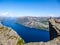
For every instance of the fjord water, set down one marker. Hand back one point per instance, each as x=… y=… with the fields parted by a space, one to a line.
x=28 y=34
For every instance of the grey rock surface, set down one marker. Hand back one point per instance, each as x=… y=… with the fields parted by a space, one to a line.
x=8 y=36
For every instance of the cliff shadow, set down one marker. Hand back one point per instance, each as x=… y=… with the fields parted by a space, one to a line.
x=53 y=32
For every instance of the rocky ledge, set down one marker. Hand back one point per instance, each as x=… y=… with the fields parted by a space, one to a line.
x=9 y=37
x=54 y=27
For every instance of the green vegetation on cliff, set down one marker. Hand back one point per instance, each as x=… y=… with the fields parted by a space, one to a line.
x=20 y=42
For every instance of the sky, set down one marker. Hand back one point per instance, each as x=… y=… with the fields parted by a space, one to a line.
x=42 y=8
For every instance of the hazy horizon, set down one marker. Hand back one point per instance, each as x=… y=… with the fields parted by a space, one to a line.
x=37 y=8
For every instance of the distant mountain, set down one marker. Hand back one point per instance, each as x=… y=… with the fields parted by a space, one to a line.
x=1 y=19
x=34 y=22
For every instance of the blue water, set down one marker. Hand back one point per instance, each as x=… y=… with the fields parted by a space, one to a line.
x=28 y=34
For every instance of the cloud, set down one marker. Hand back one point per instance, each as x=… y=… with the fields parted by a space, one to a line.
x=52 y=15
x=4 y=14
x=7 y=14
x=10 y=14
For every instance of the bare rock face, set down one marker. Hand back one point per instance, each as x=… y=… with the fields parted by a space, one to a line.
x=9 y=37
x=54 y=27
x=55 y=23
x=55 y=41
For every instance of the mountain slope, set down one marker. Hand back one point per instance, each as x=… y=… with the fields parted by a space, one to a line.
x=34 y=22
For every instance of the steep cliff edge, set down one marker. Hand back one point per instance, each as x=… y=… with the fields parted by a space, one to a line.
x=54 y=27
x=9 y=37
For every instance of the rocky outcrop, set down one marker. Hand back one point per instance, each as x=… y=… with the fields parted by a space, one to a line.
x=54 y=27
x=9 y=37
